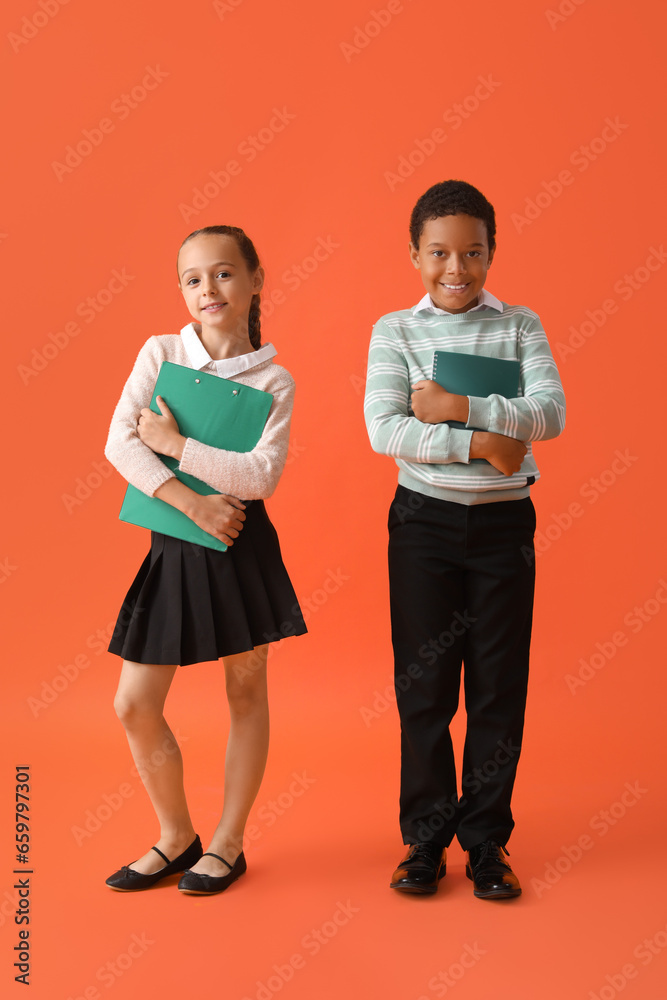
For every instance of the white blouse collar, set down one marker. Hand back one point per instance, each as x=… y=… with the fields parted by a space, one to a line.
x=226 y=367
x=486 y=301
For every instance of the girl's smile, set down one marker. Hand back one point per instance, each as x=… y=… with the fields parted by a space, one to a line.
x=218 y=288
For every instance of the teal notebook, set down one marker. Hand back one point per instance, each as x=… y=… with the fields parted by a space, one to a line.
x=475 y=375
x=216 y=411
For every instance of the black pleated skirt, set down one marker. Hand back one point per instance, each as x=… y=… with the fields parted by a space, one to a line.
x=190 y=604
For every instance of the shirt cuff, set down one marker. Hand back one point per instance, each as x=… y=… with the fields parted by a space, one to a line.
x=459 y=444
x=480 y=413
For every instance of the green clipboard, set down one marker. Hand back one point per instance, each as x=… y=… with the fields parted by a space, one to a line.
x=475 y=375
x=216 y=411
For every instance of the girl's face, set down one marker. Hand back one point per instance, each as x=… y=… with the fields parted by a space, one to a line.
x=216 y=283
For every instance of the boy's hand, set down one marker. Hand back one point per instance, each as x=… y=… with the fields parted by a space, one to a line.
x=504 y=453
x=432 y=404
x=160 y=431
x=220 y=515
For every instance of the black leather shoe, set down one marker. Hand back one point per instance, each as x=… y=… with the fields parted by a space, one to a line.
x=421 y=869
x=196 y=884
x=127 y=879
x=491 y=875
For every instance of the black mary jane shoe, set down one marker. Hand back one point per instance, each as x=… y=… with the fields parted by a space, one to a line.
x=490 y=873
x=126 y=879
x=199 y=884
x=421 y=869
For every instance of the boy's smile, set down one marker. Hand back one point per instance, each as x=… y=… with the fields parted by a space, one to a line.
x=453 y=257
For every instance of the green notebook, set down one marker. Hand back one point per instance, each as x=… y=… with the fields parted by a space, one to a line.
x=216 y=411
x=475 y=375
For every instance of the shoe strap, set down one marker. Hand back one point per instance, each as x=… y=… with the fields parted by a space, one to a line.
x=163 y=856
x=210 y=854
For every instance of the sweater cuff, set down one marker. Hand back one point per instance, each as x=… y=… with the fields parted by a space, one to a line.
x=188 y=455
x=156 y=480
x=480 y=413
x=459 y=444
x=192 y=458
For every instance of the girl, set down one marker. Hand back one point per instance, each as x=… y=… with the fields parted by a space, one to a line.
x=190 y=603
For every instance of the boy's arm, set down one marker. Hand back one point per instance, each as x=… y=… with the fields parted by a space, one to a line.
x=540 y=413
x=390 y=429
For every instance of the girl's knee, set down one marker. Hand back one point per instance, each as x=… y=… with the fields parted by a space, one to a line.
x=247 y=692
x=141 y=692
x=245 y=677
x=132 y=712
x=246 y=698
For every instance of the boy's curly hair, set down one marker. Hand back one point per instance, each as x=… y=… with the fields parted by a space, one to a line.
x=452 y=198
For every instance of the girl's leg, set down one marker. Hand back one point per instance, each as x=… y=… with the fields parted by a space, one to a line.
x=139 y=704
x=247 y=750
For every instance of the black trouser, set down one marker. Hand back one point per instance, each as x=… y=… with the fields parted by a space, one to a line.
x=461 y=589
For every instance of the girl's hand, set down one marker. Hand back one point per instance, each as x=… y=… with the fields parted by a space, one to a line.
x=432 y=404
x=160 y=431
x=220 y=515
x=504 y=453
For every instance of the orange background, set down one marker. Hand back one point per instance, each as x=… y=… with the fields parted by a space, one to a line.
x=219 y=74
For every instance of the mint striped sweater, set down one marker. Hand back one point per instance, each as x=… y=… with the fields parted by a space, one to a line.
x=434 y=458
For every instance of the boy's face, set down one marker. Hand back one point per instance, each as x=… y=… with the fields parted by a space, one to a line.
x=453 y=256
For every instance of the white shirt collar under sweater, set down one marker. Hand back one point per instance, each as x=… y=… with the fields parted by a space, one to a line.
x=226 y=367
x=486 y=301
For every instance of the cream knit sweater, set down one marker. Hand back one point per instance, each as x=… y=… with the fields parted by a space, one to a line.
x=249 y=475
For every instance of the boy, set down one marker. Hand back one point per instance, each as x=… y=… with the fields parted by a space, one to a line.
x=461 y=557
